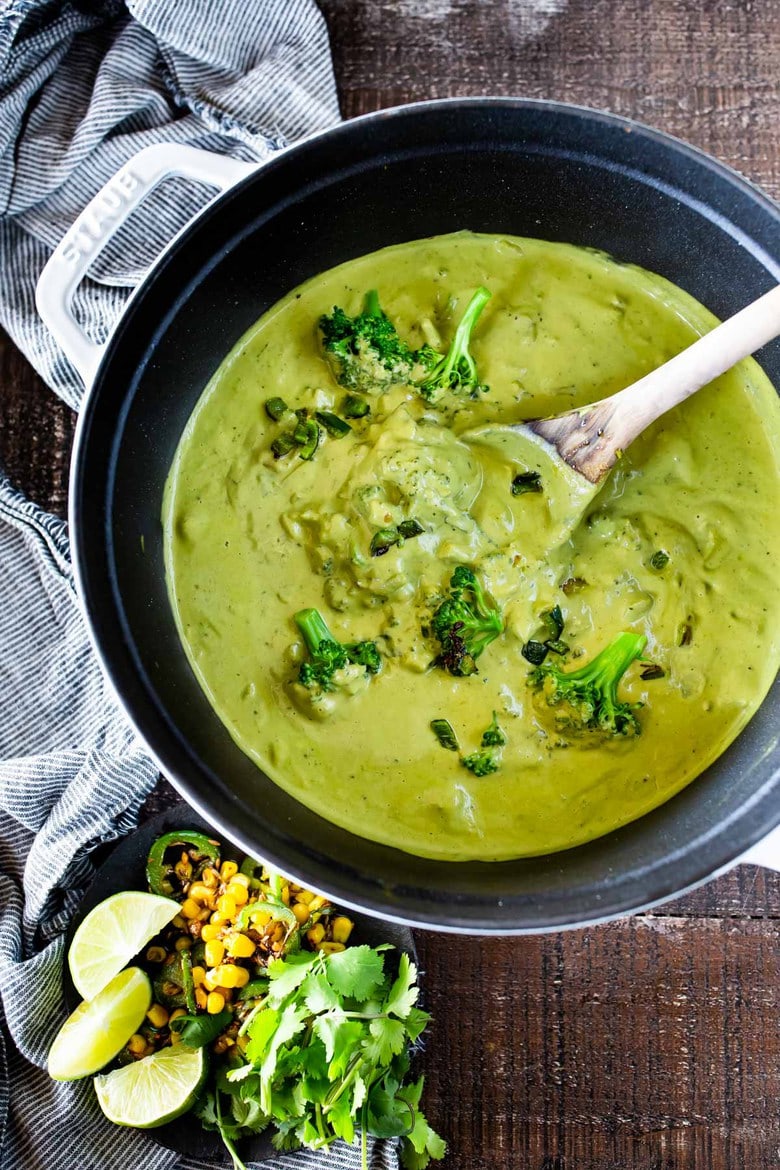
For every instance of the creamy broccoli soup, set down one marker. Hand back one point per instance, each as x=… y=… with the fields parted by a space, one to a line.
x=456 y=683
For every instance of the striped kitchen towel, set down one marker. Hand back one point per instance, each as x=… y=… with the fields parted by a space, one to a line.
x=84 y=85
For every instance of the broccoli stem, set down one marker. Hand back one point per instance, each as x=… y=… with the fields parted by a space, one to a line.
x=314 y=629
x=460 y=343
x=371 y=305
x=456 y=370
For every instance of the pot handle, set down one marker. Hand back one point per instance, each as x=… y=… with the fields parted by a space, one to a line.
x=98 y=222
x=765 y=852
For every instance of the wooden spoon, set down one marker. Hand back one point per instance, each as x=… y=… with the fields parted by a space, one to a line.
x=574 y=452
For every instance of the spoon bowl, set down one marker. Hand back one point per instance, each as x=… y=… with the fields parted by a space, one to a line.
x=573 y=453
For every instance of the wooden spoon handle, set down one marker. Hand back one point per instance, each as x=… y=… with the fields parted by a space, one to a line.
x=592 y=439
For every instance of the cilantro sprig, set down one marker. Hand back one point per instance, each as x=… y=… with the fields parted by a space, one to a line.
x=328 y=1057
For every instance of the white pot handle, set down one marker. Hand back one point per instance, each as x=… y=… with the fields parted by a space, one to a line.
x=765 y=852
x=98 y=222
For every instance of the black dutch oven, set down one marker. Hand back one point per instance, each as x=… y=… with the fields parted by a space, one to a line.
x=523 y=167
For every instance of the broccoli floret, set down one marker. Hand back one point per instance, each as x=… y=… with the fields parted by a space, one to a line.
x=590 y=693
x=481 y=763
x=456 y=369
x=465 y=623
x=327 y=656
x=365 y=351
x=488 y=758
x=493 y=736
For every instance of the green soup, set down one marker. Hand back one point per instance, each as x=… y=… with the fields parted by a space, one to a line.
x=251 y=539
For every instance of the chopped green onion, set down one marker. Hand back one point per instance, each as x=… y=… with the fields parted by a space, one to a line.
x=275 y=408
x=383 y=540
x=335 y=426
x=445 y=734
x=534 y=652
x=311 y=440
x=283 y=444
x=354 y=406
x=526 y=481
x=553 y=622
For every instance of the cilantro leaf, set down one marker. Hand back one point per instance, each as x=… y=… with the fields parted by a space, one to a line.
x=287 y=975
x=261 y=1030
x=198 y=1031
x=339 y=1116
x=387 y=1116
x=342 y=1038
x=403 y=994
x=285 y=1139
x=388 y=1038
x=291 y=1021
x=416 y=1023
x=317 y=993
x=356 y=972
x=361 y=1092
x=434 y=1147
x=422 y=1143
x=247 y=1113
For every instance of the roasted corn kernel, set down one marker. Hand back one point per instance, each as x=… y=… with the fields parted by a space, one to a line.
x=190 y=908
x=240 y=946
x=301 y=912
x=331 y=948
x=200 y=892
x=136 y=1044
x=341 y=929
x=239 y=893
x=227 y=906
x=214 y=952
x=201 y=997
x=225 y=975
x=216 y=1003
x=228 y=869
x=260 y=918
x=210 y=931
x=198 y=975
x=211 y=980
x=157 y=1015
x=316 y=934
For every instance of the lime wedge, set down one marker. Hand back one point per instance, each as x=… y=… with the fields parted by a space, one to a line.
x=99 y=1029
x=154 y=1090
x=112 y=934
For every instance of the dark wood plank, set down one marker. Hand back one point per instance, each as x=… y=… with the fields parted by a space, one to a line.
x=36 y=432
x=704 y=71
x=648 y=1044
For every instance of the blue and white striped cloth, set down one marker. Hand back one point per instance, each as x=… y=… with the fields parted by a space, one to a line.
x=84 y=84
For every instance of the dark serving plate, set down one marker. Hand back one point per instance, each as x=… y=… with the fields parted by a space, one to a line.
x=125 y=869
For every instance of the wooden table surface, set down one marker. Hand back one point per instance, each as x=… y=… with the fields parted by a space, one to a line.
x=650 y=1043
